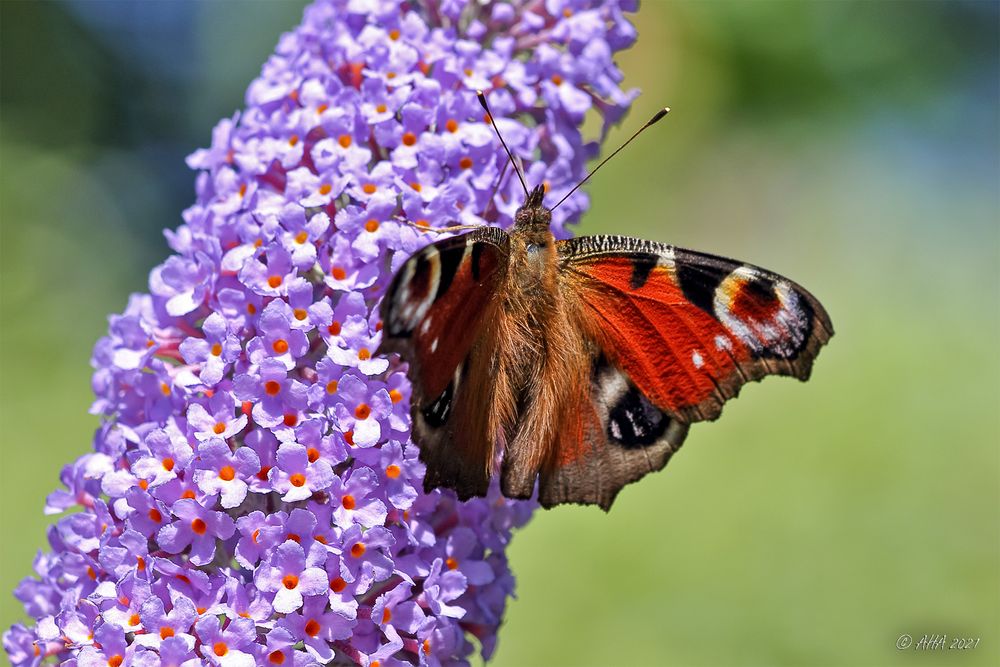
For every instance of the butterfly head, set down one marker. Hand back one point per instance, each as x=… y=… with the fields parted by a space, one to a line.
x=532 y=213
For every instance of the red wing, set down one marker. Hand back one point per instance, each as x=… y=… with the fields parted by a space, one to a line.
x=689 y=329
x=435 y=307
x=435 y=313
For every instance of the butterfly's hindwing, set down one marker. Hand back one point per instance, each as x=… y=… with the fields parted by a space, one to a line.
x=436 y=412
x=619 y=437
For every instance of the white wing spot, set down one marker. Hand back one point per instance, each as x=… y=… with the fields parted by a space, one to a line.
x=434 y=345
x=723 y=343
x=697 y=360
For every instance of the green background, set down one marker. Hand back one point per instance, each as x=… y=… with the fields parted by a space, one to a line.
x=851 y=146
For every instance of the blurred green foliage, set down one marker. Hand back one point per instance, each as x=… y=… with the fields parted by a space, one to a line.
x=852 y=146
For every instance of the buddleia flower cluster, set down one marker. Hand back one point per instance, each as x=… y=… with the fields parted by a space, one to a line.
x=253 y=496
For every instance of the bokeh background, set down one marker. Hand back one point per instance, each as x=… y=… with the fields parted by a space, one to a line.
x=852 y=146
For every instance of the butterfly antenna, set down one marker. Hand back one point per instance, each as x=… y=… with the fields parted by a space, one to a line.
x=492 y=203
x=489 y=114
x=657 y=117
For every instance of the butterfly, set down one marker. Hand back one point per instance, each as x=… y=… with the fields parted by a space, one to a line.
x=584 y=361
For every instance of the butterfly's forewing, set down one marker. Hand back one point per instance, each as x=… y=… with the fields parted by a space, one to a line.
x=435 y=314
x=688 y=328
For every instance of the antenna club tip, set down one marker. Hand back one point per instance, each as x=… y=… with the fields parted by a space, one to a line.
x=659 y=115
x=481 y=96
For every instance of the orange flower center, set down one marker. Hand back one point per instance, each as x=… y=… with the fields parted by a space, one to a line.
x=227 y=474
x=409 y=138
x=344 y=140
x=272 y=387
x=219 y=428
x=338 y=273
x=348 y=502
x=290 y=581
x=358 y=550
x=362 y=411
x=220 y=649
x=451 y=125
x=337 y=585
x=280 y=346
x=392 y=471
x=199 y=526
x=298 y=479
x=274 y=282
x=371 y=225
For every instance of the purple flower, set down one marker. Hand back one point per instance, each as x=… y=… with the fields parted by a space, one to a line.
x=319 y=627
x=271 y=392
x=196 y=527
x=296 y=476
x=220 y=423
x=354 y=504
x=166 y=453
x=215 y=352
x=229 y=647
x=220 y=470
x=278 y=340
x=253 y=495
x=289 y=575
x=161 y=625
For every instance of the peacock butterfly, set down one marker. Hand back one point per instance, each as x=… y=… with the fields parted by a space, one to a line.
x=584 y=361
